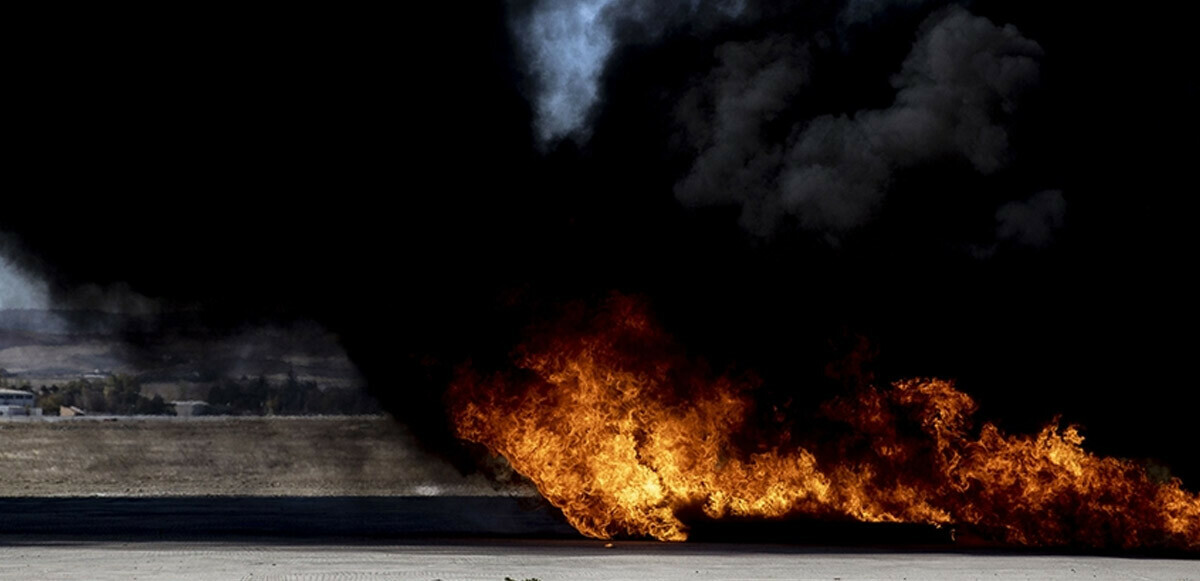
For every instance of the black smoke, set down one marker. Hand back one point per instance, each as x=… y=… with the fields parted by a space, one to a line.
x=990 y=191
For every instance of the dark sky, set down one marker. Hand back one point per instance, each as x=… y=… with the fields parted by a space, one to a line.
x=996 y=192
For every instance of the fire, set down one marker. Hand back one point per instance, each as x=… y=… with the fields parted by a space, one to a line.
x=619 y=429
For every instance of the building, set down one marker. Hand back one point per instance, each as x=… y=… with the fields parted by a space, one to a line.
x=186 y=409
x=97 y=375
x=14 y=402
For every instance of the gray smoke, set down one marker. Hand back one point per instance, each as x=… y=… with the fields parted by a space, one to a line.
x=22 y=286
x=955 y=93
x=19 y=290
x=566 y=43
x=860 y=11
x=963 y=75
x=1031 y=222
x=114 y=298
x=727 y=117
x=52 y=330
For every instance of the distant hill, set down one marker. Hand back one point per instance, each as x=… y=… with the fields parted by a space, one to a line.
x=33 y=321
x=53 y=346
x=74 y=322
x=101 y=323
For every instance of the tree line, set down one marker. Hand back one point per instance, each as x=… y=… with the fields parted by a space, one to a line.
x=116 y=394
x=259 y=396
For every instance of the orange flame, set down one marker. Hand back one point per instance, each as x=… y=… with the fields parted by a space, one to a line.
x=616 y=427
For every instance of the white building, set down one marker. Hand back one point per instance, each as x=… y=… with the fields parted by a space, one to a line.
x=14 y=402
x=187 y=409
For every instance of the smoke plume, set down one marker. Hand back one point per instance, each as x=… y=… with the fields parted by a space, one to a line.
x=18 y=290
x=566 y=44
x=831 y=172
x=750 y=131
x=1031 y=222
x=25 y=284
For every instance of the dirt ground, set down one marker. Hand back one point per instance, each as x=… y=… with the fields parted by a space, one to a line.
x=294 y=456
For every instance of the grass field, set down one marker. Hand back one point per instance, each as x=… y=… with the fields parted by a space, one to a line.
x=271 y=456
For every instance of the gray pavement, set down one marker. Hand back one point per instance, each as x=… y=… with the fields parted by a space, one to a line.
x=547 y=561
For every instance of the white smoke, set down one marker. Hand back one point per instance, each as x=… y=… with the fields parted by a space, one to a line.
x=21 y=290
x=566 y=43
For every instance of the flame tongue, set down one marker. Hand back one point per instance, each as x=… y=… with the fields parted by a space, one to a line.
x=623 y=433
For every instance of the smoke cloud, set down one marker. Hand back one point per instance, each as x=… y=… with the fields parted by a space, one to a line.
x=1031 y=222
x=737 y=162
x=963 y=75
x=19 y=290
x=24 y=287
x=567 y=42
x=751 y=136
x=860 y=11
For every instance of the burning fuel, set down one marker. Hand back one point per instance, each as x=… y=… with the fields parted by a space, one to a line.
x=617 y=427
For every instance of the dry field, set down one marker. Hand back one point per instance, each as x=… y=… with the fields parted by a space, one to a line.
x=296 y=456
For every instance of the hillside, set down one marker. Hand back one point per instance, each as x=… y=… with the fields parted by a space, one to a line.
x=166 y=352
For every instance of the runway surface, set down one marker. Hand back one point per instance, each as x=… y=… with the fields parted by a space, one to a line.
x=202 y=518
x=544 y=560
x=468 y=538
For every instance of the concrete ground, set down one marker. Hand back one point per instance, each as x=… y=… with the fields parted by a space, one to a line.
x=354 y=498
x=546 y=561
